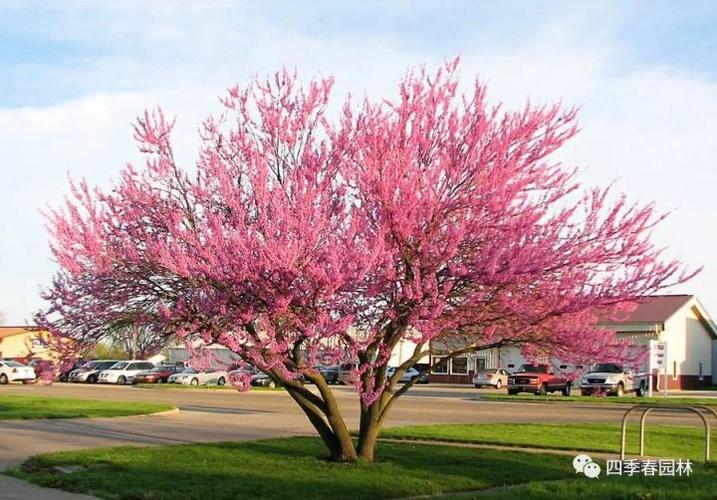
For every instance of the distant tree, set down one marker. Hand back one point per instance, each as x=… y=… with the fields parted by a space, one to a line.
x=300 y=240
x=106 y=350
x=137 y=341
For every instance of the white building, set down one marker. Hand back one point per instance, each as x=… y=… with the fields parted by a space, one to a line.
x=679 y=320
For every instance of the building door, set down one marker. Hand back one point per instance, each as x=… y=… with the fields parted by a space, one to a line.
x=480 y=364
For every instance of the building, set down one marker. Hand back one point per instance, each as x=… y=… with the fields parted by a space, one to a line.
x=680 y=321
x=21 y=341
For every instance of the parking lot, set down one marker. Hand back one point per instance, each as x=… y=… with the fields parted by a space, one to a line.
x=206 y=416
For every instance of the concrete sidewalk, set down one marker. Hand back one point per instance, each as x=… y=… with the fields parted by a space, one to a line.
x=16 y=489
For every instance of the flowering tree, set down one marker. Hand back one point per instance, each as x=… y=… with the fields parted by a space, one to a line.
x=300 y=240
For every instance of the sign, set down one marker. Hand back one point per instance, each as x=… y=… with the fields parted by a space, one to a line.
x=658 y=351
x=658 y=360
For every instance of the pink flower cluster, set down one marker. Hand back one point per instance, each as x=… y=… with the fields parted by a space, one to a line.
x=301 y=240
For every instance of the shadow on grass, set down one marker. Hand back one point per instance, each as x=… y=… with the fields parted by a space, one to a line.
x=286 y=468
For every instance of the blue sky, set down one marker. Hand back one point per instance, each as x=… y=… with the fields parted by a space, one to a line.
x=74 y=74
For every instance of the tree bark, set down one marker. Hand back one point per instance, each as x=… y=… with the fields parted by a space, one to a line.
x=324 y=415
x=368 y=432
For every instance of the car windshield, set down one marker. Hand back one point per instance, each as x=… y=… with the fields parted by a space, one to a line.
x=104 y=366
x=189 y=370
x=534 y=369
x=89 y=365
x=119 y=366
x=14 y=364
x=606 y=368
x=490 y=370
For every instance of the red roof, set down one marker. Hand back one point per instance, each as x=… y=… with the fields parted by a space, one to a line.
x=654 y=309
x=9 y=331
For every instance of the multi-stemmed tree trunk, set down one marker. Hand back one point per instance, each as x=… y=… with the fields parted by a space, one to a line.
x=300 y=240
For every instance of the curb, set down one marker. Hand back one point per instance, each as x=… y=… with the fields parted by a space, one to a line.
x=581 y=404
x=174 y=411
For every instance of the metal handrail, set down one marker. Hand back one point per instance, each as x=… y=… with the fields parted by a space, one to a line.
x=648 y=409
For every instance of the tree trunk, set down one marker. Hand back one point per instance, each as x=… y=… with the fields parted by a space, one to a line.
x=324 y=415
x=369 y=429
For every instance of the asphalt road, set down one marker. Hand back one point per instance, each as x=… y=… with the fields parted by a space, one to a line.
x=206 y=416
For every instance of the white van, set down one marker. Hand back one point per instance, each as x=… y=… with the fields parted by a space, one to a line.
x=123 y=372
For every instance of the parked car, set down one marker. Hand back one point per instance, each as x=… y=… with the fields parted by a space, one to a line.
x=261 y=379
x=157 y=375
x=408 y=375
x=330 y=373
x=190 y=376
x=12 y=371
x=538 y=379
x=496 y=377
x=612 y=379
x=90 y=371
x=123 y=372
x=64 y=376
x=346 y=374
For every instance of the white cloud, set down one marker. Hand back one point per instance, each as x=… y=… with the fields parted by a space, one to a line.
x=651 y=127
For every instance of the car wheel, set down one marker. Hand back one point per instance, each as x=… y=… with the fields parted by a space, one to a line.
x=194 y=382
x=585 y=393
x=92 y=379
x=498 y=384
x=271 y=384
x=222 y=381
x=640 y=391
x=542 y=391
x=478 y=386
x=512 y=392
x=567 y=389
x=620 y=391
x=122 y=380
x=161 y=381
x=3 y=379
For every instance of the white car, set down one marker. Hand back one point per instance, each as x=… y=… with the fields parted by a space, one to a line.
x=496 y=377
x=12 y=371
x=123 y=372
x=408 y=375
x=190 y=376
x=612 y=379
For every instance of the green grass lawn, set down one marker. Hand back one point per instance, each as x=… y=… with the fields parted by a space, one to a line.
x=700 y=485
x=285 y=468
x=662 y=441
x=30 y=407
x=298 y=468
x=601 y=399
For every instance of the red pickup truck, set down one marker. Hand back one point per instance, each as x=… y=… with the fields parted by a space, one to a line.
x=538 y=379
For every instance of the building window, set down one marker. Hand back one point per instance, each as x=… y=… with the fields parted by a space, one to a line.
x=674 y=370
x=442 y=368
x=480 y=364
x=702 y=376
x=459 y=366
